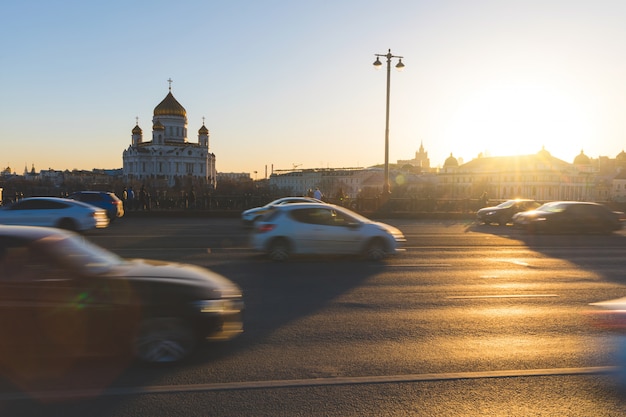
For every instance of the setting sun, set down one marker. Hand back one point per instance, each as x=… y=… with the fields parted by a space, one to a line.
x=516 y=118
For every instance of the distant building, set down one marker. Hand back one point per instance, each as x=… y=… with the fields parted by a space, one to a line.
x=421 y=160
x=168 y=156
x=331 y=182
x=234 y=176
x=539 y=176
x=7 y=172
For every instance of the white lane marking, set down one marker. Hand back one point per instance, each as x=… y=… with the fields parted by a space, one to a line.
x=312 y=382
x=520 y=263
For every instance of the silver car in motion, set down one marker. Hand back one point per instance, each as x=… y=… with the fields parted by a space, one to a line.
x=320 y=228
x=54 y=212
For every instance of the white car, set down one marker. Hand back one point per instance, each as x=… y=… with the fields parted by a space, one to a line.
x=248 y=217
x=54 y=212
x=319 y=228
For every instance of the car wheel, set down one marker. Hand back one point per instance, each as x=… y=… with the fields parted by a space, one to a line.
x=375 y=250
x=67 y=224
x=503 y=221
x=279 y=250
x=163 y=340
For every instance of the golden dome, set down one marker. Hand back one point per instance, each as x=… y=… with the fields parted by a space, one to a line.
x=582 y=159
x=170 y=107
x=203 y=130
x=137 y=130
x=451 y=162
x=158 y=125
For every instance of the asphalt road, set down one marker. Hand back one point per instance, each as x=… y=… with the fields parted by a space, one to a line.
x=471 y=320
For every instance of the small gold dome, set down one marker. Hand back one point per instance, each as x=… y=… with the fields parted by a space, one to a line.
x=451 y=162
x=582 y=159
x=203 y=130
x=158 y=125
x=170 y=107
x=137 y=130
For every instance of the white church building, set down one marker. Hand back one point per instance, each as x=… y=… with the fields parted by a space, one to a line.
x=168 y=155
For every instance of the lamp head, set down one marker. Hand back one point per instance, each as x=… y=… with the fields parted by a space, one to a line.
x=377 y=64
x=400 y=65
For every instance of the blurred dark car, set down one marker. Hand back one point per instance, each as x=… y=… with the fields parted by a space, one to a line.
x=103 y=199
x=570 y=217
x=61 y=295
x=503 y=212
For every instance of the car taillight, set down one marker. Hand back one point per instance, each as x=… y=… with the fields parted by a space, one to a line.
x=265 y=228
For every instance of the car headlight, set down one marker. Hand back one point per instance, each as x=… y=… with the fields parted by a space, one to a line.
x=222 y=306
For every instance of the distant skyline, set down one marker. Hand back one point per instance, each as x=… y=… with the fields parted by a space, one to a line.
x=287 y=83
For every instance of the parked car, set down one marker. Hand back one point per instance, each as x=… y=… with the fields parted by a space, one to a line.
x=62 y=295
x=103 y=199
x=54 y=212
x=320 y=228
x=248 y=217
x=503 y=212
x=570 y=216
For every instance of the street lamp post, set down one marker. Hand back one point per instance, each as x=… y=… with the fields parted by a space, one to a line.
x=399 y=67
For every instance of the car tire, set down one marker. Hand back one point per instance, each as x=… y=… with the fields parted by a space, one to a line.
x=502 y=221
x=67 y=224
x=163 y=340
x=279 y=250
x=375 y=250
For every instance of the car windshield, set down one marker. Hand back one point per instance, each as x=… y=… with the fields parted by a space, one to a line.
x=552 y=207
x=79 y=253
x=282 y=201
x=357 y=217
x=506 y=204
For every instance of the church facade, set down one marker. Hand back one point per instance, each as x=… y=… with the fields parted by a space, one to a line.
x=168 y=157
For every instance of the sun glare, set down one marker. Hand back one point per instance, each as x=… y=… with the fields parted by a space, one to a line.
x=515 y=119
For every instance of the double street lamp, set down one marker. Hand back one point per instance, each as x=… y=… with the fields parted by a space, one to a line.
x=399 y=67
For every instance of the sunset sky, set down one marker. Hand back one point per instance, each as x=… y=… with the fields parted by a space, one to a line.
x=291 y=83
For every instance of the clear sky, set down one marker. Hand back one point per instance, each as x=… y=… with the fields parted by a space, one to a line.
x=288 y=82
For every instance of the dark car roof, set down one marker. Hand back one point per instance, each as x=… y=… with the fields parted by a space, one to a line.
x=563 y=205
x=92 y=192
x=573 y=203
x=31 y=232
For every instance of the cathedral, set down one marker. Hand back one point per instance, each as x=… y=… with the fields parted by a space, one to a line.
x=168 y=157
